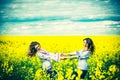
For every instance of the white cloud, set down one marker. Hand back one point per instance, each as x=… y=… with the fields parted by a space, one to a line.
x=54 y=8
x=36 y=16
x=15 y=29
x=25 y=27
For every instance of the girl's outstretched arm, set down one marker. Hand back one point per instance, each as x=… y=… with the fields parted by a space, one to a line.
x=68 y=55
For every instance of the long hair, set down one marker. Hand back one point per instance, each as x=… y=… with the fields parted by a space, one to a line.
x=90 y=44
x=32 y=51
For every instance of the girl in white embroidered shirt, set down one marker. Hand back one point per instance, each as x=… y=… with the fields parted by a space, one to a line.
x=45 y=56
x=82 y=56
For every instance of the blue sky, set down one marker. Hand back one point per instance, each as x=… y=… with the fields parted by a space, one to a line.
x=60 y=17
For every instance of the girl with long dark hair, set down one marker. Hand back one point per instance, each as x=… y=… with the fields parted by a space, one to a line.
x=82 y=56
x=35 y=49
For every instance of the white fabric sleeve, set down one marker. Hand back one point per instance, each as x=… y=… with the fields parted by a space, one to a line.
x=76 y=53
x=55 y=57
x=85 y=54
x=43 y=56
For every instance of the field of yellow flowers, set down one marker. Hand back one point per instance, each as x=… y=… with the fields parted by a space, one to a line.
x=104 y=64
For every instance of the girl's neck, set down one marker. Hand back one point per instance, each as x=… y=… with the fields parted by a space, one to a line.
x=86 y=49
x=42 y=51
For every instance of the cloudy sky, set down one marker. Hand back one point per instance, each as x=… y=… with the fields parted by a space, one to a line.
x=59 y=17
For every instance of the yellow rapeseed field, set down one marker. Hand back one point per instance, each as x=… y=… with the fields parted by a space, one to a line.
x=104 y=64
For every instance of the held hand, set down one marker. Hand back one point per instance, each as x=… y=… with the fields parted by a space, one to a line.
x=63 y=55
x=62 y=58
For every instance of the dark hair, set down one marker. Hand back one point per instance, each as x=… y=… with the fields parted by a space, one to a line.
x=32 y=51
x=90 y=44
